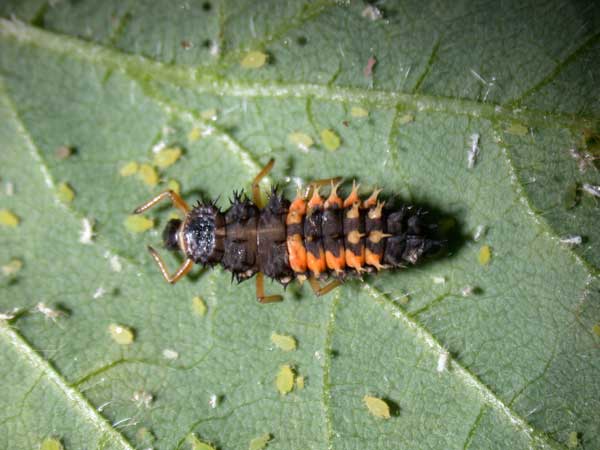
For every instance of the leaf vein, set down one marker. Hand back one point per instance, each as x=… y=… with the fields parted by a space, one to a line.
x=467 y=377
x=24 y=350
x=210 y=82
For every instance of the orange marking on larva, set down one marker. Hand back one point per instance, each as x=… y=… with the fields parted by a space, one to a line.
x=353 y=197
x=353 y=213
x=296 y=253
x=354 y=236
x=355 y=261
x=315 y=200
x=376 y=236
x=316 y=265
x=297 y=211
x=373 y=259
x=375 y=213
x=336 y=263
x=372 y=200
x=334 y=199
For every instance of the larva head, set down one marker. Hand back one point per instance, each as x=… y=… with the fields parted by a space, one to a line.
x=171 y=234
x=203 y=234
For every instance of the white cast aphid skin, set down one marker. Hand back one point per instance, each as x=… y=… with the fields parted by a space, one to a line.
x=473 y=151
x=571 y=240
x=591 y=189
x=442 y=364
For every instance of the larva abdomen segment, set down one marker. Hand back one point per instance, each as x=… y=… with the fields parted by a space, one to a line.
x=332 y=239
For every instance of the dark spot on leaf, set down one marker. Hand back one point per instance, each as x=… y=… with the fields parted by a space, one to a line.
x=302 y=41
x=206 y=6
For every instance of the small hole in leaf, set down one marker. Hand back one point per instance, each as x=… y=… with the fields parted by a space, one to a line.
x=207 y=43
x=206 y=6
x=302 y=41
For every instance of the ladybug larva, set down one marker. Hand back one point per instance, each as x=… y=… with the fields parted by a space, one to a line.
x=310 y=238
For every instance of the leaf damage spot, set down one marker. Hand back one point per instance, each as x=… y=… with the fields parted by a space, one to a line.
x=199 y=306
x=260 y=442
x=330 y=139
x=485 y=255
x=254 y=60
x=131 y=168
x=148 y=174
x=301 y=140
x=283 y=342
x=51 y=443
x=138 y=224
x=377 y=407
x=285 y=379
x=167 y=157
x=121 y=334
x=213 y=401
x=358 y=112
x=8 y=218
x=12 y=267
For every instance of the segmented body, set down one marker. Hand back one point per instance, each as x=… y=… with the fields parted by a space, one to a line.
x=308 y=237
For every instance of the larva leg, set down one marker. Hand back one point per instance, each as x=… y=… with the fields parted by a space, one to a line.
x=255 y=183
x=178 y=202
x=260 y=291
x=318 y=290
x=181 y=272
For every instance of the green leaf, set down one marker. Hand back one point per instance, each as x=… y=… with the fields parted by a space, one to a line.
x=466 y=355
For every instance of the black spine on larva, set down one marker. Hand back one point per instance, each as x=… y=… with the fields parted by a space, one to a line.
x=241 y=221
x=272 y=247
x=313 y=235
x=333 y=231
x=412 y=236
